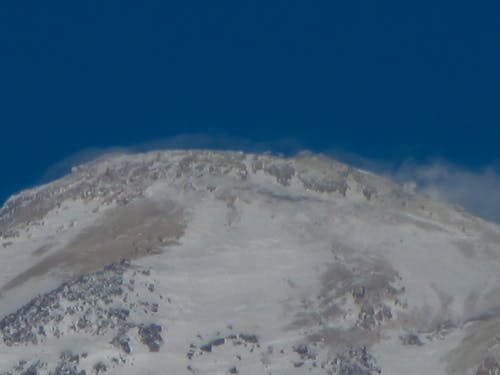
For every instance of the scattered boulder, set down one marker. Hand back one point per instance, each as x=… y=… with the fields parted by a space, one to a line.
x=411 y=339
x=301 y=350
x=122 y=342
x=249 y=338
x=151 y=336
x=99 y=368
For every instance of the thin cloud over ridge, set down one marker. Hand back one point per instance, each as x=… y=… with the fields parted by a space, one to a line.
x=478 y=191
x=288 y=146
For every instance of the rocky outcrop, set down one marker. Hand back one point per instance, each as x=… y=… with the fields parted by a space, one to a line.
x=100 y=304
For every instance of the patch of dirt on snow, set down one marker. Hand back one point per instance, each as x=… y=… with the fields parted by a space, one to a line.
x=132 y=231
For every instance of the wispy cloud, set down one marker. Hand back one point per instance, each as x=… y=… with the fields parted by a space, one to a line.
x=287 y=146
x=64 y=166
x=476 y=190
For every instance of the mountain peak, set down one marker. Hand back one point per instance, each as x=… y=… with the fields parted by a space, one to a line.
x=242 y=263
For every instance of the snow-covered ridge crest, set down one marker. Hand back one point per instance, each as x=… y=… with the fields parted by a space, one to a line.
x=270 y=264
x=124 y=177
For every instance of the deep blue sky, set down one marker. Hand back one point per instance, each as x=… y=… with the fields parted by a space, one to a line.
x=388 y=80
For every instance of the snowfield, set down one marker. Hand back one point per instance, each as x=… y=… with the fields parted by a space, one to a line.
x=204 y=262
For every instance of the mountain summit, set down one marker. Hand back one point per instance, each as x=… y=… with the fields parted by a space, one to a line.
x=205 y=262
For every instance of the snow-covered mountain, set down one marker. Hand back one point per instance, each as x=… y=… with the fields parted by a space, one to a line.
x=203 y=262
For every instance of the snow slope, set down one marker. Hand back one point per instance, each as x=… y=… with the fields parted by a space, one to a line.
x=210 y=262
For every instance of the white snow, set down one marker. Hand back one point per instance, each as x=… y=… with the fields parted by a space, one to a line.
x=252 y=250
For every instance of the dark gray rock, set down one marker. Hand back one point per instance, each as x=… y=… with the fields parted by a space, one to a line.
x=32 y=370
x=249 y=338
x=151 y=336
x=206 y=348
x=122 y=342
x=410 y=339
x=301 y=349
x=356 y=362
x=100 y=368
x=218 y=341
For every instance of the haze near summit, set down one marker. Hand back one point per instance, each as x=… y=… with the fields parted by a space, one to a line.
x=412 y=89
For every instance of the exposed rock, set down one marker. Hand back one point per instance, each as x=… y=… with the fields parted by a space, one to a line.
x=411 y=339
x=122 y=342
x=356 y=362
x=151 y=336
x=100 y=368
x=249 y=338
x=91 y=305
x=489 y=367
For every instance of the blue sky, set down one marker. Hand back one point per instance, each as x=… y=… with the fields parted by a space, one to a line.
x=392 y=83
